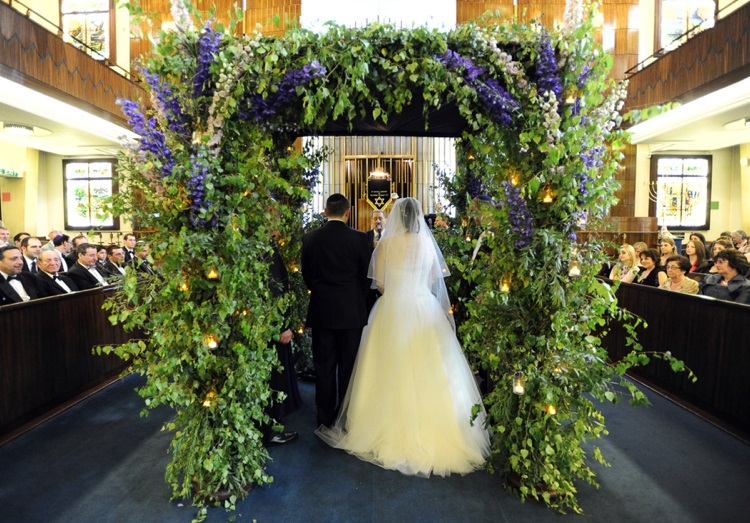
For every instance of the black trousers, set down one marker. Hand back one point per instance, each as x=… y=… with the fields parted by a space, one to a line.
x=334 y=352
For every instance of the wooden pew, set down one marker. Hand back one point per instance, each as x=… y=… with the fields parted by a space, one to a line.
x=46 y=358
x=710 y=336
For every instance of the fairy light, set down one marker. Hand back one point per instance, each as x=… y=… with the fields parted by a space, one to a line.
x=505 y=287
x=212 y=274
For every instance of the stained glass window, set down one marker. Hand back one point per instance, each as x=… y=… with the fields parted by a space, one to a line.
x=86 y=25
x=88 y=184
x=681 y=190
x=679 y=16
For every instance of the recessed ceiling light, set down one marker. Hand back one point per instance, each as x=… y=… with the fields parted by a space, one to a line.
x=18 y=129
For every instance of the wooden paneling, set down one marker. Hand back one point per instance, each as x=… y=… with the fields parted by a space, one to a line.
x=37 y=58
x=46 y=354
x=262 y=12
x=707 y=335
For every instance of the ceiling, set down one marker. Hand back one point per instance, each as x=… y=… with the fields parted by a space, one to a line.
x=59 y=128
x=714 y=121
x=700 y=125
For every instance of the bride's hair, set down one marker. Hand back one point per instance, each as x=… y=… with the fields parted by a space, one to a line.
x=410 y=212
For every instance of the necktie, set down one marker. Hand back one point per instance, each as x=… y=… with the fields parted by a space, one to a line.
x=34 y=269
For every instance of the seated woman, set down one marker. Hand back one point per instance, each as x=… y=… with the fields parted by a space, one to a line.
x=718 y=246
x=677 y=268
x=728 y=283
x=698 y=236
x=696 y=253
x=652 y=273
x=627 y=268
x=668 y=248
x=639 y=247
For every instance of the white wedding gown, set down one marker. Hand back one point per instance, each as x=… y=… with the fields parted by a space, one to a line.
x=410 y=398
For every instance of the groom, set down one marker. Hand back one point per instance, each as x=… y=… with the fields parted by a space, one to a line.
x=335 y=259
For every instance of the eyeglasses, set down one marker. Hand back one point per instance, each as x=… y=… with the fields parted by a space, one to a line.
x=673 y=267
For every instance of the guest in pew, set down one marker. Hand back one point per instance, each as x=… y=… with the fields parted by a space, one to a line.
x=627 y=268
x=31 y=247
x=62 y=248
x=652 y=273
x=48 y=281
x=696 y=253
x=18 y=238
x=16 y=286
x=729 y=283
x=639 y=247
x=719 y=245
x=142 y=260
x=114 y=265
x=700 y=237
x=739 y=238
x=677 y=268
x=4 y=236
x=668 y=248
x=85 y=272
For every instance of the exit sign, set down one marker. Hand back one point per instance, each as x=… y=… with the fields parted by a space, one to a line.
x=9 y=173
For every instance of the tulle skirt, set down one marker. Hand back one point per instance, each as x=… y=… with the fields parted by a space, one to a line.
x=410 y=399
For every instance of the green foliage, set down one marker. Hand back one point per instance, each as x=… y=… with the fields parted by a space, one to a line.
x=222 y=194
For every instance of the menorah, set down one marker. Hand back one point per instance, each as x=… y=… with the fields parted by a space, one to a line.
x=653 y=195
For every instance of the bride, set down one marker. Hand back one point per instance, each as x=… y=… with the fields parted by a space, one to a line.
x=410 y=398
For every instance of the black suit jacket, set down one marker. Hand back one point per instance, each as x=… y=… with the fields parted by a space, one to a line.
x=9 y=295
x=82 y=277
x=111 y=269
x=46 y=286
x=26 y=267
x=335 y=259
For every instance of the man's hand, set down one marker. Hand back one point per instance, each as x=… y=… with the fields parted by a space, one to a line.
x=285 y=337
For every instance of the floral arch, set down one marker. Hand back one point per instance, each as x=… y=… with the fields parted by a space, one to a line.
x=216 y=175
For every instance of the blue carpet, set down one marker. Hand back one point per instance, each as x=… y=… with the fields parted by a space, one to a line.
x=101 y=462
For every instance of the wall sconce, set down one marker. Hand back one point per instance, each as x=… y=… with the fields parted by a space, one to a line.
x=744 y=162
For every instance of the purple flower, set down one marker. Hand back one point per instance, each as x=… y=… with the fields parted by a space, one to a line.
x=178 y=122
x=547 y=79
x=151 y=139
x=519 y=216
x=282 y=93
x=583 y=78
x=208 y=46
x=197 y=193
x=500 y=103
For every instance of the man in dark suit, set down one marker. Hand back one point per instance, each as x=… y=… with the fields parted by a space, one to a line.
x=335 y=259
x=378 y=220
x=129 y=248
x=31 y=247
x=85 y=273
x=15 y=285
x=113 y=265
x=48 y=281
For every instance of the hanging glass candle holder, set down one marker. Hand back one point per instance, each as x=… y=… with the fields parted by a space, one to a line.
x=519 y=383
x=574 y=270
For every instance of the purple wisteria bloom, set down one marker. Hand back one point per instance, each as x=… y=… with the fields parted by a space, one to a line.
x=151 y=139
x=263 y=109
x=208 y=46
x=177 y=121
x=197 y=193
x=547 y=78
x=592 y=159
x=519 y=216
x=500 y=103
